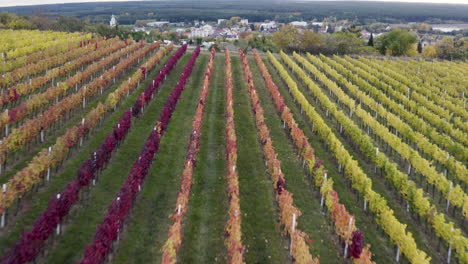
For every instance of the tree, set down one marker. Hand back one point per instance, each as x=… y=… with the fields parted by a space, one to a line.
x=311 y=42
x=20 y=23
x=420 y=49
x=429 y=52
x=396 y=43
x=286 y=37
x=371 y=40
x=345 y=42
x=445 y=48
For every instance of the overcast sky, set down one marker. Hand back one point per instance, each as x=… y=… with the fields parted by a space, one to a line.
x=4 y=3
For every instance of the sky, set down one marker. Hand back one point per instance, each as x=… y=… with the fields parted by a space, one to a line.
x=4 y=3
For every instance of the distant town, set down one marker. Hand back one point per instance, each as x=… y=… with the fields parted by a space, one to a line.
x=236 y=28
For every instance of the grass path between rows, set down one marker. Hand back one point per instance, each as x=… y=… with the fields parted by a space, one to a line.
x=261 y=233
x=203 y=234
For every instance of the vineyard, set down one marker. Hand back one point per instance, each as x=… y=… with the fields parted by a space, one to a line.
x=117 y=151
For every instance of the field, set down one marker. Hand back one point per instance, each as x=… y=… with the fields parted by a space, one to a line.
x=122 y=152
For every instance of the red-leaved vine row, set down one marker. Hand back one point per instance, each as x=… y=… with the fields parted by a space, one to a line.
x=107 y=232
x=154 y=85
x=27 y=107
x=31 y=243
x=299 y=249
x=345 y=225
x=101 y=48
x=33 y=127
x=35 y=171
x=175 y=231
x=233 y=229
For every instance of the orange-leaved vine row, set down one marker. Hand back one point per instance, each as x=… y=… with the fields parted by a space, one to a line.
x=233 y=239
x=299 y=249
x=174 y=240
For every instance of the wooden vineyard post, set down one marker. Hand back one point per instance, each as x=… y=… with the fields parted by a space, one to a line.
x=48 y=168
x=448 y=195
x=3 y=221
x=323 y=198
x=58 y=225
x=449 y=253
x=345 y=253
x=293 y=228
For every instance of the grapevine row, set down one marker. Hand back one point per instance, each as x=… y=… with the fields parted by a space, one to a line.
x=233 y=229
x=455 y=167
x=33 y=127
x=377 y=204
x=299 y=249
x=345 y=225
x=67 y=44
x=174 y=240
x=424 y=207
x=108 y=230
x=34 y=172
x=14 y=93
x=383 y=82
x=29 y=106
x=413 y=112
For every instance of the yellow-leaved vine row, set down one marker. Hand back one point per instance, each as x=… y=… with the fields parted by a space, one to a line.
x=344 y=222
x=449 y=75
x=455 y=167
x=64 y=45
x=411 y=119
x=377 y=204
x=388 y=85
x=421 y=93
x=17 y=43
x=407 y=188
x=438 y=90
x=421 y=76
x=452 y=192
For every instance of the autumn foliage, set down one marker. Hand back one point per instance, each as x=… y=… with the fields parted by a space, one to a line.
x=35 y=171
x=338 y=213
x=107 y=232
x=299 y=248
x=174 y=240
x=233 y=226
